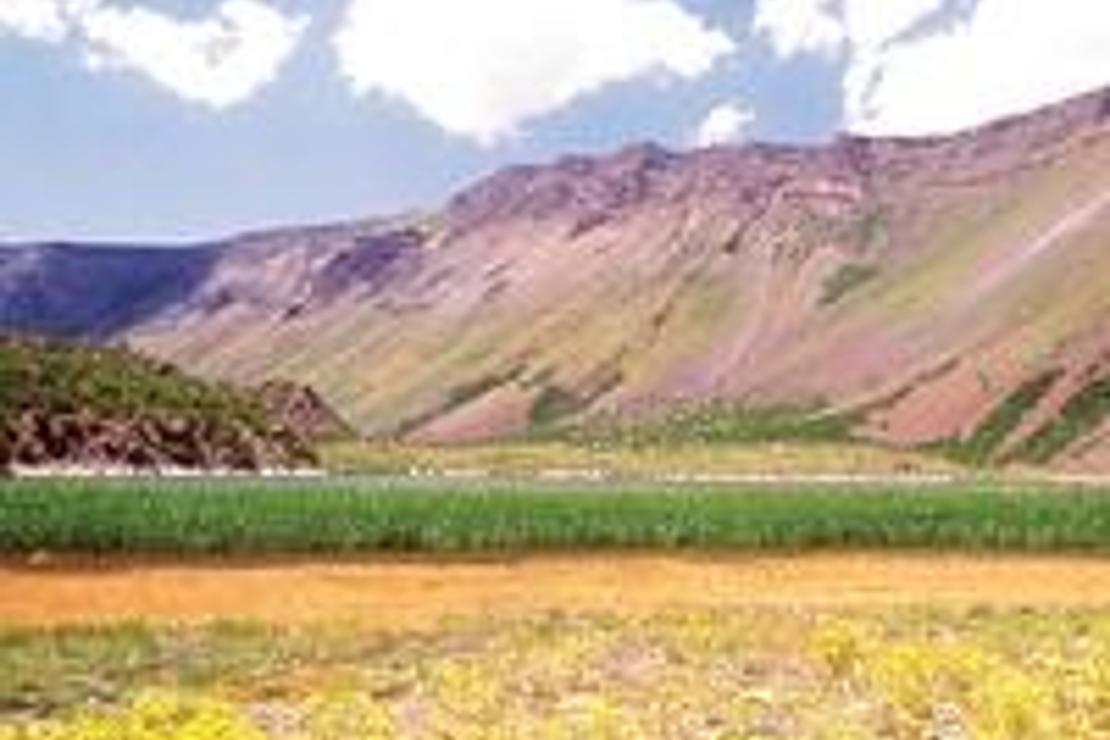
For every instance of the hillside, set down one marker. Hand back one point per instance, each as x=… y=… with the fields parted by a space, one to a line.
x=946 y=291
x=63 y=404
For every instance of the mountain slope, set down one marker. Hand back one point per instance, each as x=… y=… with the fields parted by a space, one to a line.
x=941 y=289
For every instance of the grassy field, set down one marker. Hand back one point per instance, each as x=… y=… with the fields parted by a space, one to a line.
x=345 y=516
x=899 y=673
x=632 y=460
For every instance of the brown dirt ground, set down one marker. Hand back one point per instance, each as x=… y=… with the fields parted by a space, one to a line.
x=420 y=593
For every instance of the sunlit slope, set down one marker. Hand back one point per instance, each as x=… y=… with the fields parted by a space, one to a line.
x=1005 y=285
x=654 y=301
x=946 y=290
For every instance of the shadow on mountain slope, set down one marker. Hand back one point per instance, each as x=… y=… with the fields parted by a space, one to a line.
x=92 y=292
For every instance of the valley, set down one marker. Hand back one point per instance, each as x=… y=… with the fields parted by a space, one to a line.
x=747 y=441
x=913 y=286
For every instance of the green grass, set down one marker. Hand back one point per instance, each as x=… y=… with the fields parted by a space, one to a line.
x=719 y=424
x=629 y=462
x=244 y=518
x=43 y=670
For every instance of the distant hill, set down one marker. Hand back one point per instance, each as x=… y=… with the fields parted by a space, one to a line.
x=63 y=404
x=947 y=292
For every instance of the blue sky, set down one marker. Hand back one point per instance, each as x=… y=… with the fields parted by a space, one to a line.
x=185 y=119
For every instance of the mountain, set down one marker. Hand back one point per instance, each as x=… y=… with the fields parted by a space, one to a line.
x=946 y=290
x=69 y=404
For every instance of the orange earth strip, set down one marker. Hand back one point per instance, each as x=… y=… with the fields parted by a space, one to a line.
x=420 y=593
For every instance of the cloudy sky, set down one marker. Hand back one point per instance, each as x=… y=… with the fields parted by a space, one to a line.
x=182 y=119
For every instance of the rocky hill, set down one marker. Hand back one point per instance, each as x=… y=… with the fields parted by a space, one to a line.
x=66 y=405
x=946 y=291
x=301 y=409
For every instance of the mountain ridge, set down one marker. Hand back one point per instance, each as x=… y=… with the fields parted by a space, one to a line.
x=923 y=281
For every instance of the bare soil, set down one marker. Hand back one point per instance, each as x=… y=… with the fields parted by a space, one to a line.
x=406 y=594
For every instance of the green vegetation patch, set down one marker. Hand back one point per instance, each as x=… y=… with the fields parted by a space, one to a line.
x=983 y=444
x=432 y=516
x=464 y=393
x=553 y=404
x=722 y=423
x=846 y=280
x=1082 y=414
x=874 y=229
x=43 y=671
x=58 y=378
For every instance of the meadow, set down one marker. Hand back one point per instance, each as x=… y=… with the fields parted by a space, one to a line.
x=561 y=667
x=333 y=517
x=645 y=457
x=770 y=673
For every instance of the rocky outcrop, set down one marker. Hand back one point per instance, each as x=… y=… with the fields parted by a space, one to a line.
x=36 y=438
x=302 y=410
x=107 y=408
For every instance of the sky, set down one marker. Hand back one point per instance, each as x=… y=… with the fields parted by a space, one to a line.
x=184 y=120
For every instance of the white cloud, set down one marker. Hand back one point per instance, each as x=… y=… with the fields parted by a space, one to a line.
x=41 y=20
x=1008 y=57
x=727 y=123
x=796 y=27
x=481 y=68
x=219 y=61
x=871 y=25
x=903 y=78
x=859 y=31
x=800 y=26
